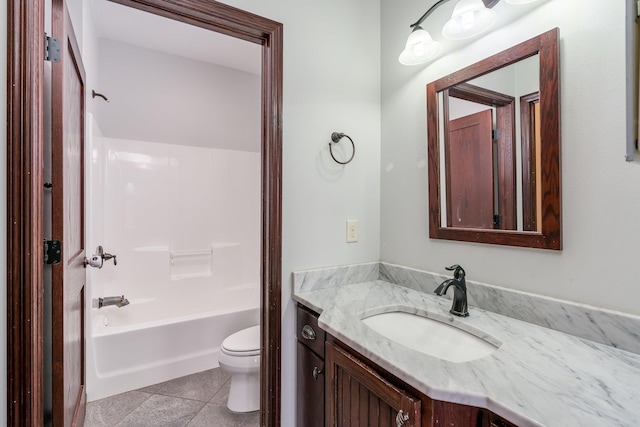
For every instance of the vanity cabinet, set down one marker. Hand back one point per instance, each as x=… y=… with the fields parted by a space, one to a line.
x=338 y=387
x=310 y=405
x=492 y=420
x=356 y=395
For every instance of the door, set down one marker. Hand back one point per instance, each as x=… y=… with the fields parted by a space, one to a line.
x=69 y=278
x=357 y=396
x=469 y=169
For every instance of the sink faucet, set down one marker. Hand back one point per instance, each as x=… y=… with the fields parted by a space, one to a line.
x=459 y=307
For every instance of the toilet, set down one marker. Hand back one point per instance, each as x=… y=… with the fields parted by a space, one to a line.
x=240 y=357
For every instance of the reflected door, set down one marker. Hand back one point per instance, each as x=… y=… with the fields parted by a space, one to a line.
x=469 y=169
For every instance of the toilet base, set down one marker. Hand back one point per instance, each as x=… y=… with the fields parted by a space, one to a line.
x=244 y=395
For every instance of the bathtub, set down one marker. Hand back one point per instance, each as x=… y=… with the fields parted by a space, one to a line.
x=152 y=340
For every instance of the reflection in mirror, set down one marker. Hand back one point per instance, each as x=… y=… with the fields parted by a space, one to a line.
x=482 y=124
x=494 y=165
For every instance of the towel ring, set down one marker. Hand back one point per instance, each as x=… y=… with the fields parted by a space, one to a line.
x=336 y=137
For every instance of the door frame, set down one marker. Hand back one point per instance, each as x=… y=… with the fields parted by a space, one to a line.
x=25 y=185
x=505 y=145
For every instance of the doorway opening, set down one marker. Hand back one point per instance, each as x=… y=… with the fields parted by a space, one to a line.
x=25 y=234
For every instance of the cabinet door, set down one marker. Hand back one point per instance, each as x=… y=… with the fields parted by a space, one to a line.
x=310 y=378
x=456 y=415
x=356 y=396
x=492 y=420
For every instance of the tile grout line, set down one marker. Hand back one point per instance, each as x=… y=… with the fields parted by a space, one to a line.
x=158 y=392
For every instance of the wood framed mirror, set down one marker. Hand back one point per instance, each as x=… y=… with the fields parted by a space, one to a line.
x=494 y=149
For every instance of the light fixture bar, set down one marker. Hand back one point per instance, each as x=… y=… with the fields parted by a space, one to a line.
x=428 y=12
x=487 y=3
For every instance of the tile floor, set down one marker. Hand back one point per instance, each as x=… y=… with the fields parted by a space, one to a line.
x=197 y=400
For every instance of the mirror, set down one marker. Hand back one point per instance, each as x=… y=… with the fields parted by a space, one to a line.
x=494 y=149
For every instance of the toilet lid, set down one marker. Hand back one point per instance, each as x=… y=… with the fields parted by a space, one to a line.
x=246 y=341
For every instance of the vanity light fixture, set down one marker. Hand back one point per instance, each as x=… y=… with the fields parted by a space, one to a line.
x=470 y=18
x=420 y=48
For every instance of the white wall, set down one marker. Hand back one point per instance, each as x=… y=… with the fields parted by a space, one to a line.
x=3 y=210
x=154 y=96
x=600 y=200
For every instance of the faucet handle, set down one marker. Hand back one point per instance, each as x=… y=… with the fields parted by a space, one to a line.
x=107 y=257
x=458 y=271
x=97 y=260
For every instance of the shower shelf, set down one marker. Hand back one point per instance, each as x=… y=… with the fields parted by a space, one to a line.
x=173 y=255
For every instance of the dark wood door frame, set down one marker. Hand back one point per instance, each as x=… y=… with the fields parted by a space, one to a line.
x=529 y=169
x=25 y=113
x=25 y=123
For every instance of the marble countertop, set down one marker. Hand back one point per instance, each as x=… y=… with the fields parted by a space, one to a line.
x=538 y=376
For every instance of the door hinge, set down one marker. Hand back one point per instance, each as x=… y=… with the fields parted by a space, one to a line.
x=51 y=49
x=495 y=134
x=497 y=220
x=52 y=251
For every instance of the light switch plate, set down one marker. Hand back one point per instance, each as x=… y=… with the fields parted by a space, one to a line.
x=352 y=230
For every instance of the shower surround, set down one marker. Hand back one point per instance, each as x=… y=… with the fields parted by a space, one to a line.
x=184 y=223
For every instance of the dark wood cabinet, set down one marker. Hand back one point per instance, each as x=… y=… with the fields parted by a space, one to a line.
x=492 y=420
x=310 y=402
x=358 y=396
x=310 y=376
x=455 y=415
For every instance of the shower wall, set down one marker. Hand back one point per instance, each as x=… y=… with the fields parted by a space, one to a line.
x=174 y=191
x=172 y=213
x=175 y=171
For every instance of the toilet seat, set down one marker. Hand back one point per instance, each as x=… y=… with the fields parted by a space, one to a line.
x=242 y=343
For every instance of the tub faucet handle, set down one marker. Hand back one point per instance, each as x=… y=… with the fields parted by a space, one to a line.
x=97 y=260
x=107 y=257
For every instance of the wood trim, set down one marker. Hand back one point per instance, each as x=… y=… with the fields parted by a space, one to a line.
x=550 y=235
x=25 y=184
x=270 y=368
x=25 y=72
x=529 y=211
x=480 y=95
x=506 y=154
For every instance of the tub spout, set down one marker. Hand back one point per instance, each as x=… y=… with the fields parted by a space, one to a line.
x=120 y=301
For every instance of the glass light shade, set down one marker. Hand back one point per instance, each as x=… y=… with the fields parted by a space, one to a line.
x=469 y=18
x=519 y=1
x=420 y=48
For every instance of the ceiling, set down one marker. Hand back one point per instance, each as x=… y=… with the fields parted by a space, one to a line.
x=128 y=25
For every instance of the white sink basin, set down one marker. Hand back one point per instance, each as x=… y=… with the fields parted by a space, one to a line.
x=431 y=337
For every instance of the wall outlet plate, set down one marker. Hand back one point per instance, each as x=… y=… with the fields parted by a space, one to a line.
x=352 y=230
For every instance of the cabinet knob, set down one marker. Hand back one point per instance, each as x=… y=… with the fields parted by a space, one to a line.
x=308 y=333
x=401 y=418
x=316 y=372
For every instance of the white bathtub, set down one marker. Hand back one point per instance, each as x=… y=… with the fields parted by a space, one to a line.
x=157 y=339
